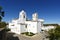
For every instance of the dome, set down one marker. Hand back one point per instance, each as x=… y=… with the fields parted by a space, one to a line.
x=35 y=15
x=22 y=12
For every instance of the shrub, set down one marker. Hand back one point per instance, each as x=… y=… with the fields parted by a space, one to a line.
x=2 y=24
x=28 y=33
x=7 y=29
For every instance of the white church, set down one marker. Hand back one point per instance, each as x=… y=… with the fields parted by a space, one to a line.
x=22 y=24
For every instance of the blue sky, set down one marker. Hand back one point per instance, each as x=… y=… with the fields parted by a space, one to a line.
x=49 y=10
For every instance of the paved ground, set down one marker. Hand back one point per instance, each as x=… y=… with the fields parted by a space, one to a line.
x=13 y=36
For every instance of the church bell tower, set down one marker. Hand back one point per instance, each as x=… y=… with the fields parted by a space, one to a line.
x=35 y=17
x=22 y=16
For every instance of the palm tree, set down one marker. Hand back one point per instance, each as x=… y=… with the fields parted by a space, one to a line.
x=1 y=13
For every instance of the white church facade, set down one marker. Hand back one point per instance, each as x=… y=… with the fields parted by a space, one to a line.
x=22 y=24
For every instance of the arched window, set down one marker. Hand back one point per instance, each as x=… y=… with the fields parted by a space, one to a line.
x=24 y=16
x=25 y=26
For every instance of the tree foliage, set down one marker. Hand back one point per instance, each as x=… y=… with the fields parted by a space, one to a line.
x=50 y=24
x=55 y=33
x=1 y=13
x=3 y=24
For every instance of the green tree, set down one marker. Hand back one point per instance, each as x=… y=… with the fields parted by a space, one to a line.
x=3 y=24
x=1 y=13
x=54 y=33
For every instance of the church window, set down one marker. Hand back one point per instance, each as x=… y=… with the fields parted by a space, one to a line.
x=24 y=16
x=25 y=26
x=12 y=25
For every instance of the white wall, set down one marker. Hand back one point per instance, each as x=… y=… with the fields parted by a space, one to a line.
x=47 y=28
x=31 y=26
x=23 y=29
x=15 y=27
x=39 y=27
